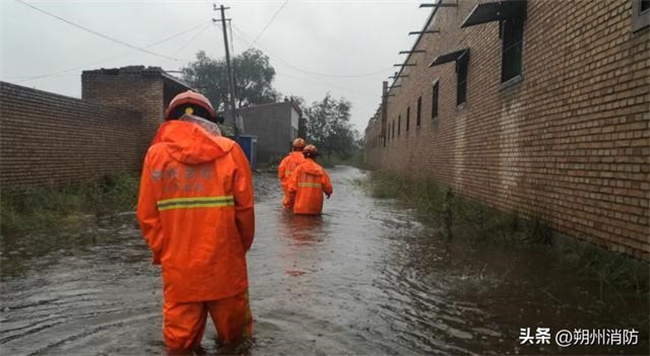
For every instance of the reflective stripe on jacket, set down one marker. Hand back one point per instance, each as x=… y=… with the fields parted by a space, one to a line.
x=306 y=187
x=196 y=212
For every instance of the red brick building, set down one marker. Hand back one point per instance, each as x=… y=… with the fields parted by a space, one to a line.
x=540 y=107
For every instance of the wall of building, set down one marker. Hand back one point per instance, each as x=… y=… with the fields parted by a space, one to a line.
x=48 y=138
x=302 y=127
x=373 y=143
x=569 y=143
x=132 y=91
x=273 y=126
x=295 y=125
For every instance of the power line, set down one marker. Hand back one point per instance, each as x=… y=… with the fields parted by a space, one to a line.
x=232 y=43
x=317 y=80
x=96 y=33
x=288 y=64
x=182 y=33
x=269 y=23
x=215 y=29
x=191 y=40
x=185 y=44
x=25 y=79
x=330 y=85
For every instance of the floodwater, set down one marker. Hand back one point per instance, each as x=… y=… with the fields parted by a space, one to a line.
x=365 y=278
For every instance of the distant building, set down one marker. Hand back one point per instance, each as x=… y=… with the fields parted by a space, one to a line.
x=276 y=125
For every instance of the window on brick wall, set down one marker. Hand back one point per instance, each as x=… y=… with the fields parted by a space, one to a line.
x=418 y=117
x=408 y=118
x=461 y=57
x=393 y=131
x=511 y=15
x=399 y=124
x=462 y=65
x=640 y=14
x=434 y=104
x=513 y=39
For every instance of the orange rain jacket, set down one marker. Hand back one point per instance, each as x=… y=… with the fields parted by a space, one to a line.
x=306 y=187
x=196 y=212
x=286 y=168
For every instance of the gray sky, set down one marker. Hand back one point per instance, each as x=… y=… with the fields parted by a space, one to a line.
x=346 y=48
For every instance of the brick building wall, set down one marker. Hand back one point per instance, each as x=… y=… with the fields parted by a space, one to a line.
x=145 y=90
x=373 y=141
x=569 y=143
x=48 y=138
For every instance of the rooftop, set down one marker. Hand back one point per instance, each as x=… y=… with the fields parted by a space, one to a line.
x=138 y=70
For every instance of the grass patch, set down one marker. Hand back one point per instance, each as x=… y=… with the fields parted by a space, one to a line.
x=609 y=268
x=64 y=207
x=461 y=216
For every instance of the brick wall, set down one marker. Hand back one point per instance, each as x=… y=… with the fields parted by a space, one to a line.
x=569 y=143
x=49 y=138
x=120 y=89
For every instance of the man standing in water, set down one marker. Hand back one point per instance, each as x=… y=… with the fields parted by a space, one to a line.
x=307 y=184
x=195 y=210
x=288 y=165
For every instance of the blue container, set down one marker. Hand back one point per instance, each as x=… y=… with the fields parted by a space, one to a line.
x=248 y=143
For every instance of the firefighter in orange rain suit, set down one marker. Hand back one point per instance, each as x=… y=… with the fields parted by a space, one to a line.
x=307 y=184
x=195 y=210
x=288 y=165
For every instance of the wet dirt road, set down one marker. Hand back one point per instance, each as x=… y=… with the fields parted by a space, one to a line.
x=365 y=278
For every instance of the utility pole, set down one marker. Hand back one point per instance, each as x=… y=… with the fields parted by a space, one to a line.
x=384 y=110
x=231 y=80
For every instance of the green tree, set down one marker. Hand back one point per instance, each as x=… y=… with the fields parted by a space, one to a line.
x=253 y=78
x=329 y=127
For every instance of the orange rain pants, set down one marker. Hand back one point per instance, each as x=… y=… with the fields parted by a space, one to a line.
x=286 y=168
x=306 y=187
x=184 y=323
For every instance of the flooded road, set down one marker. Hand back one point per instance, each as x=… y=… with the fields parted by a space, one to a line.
x=365 y=278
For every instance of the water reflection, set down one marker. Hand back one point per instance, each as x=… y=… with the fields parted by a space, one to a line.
x=301 y=229
x=364 y=278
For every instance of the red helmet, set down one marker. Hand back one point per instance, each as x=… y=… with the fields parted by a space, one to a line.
x=299 y=143
x=190 y=102
x=310 y=151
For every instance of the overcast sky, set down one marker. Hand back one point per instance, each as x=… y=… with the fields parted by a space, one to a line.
x=346 y=48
